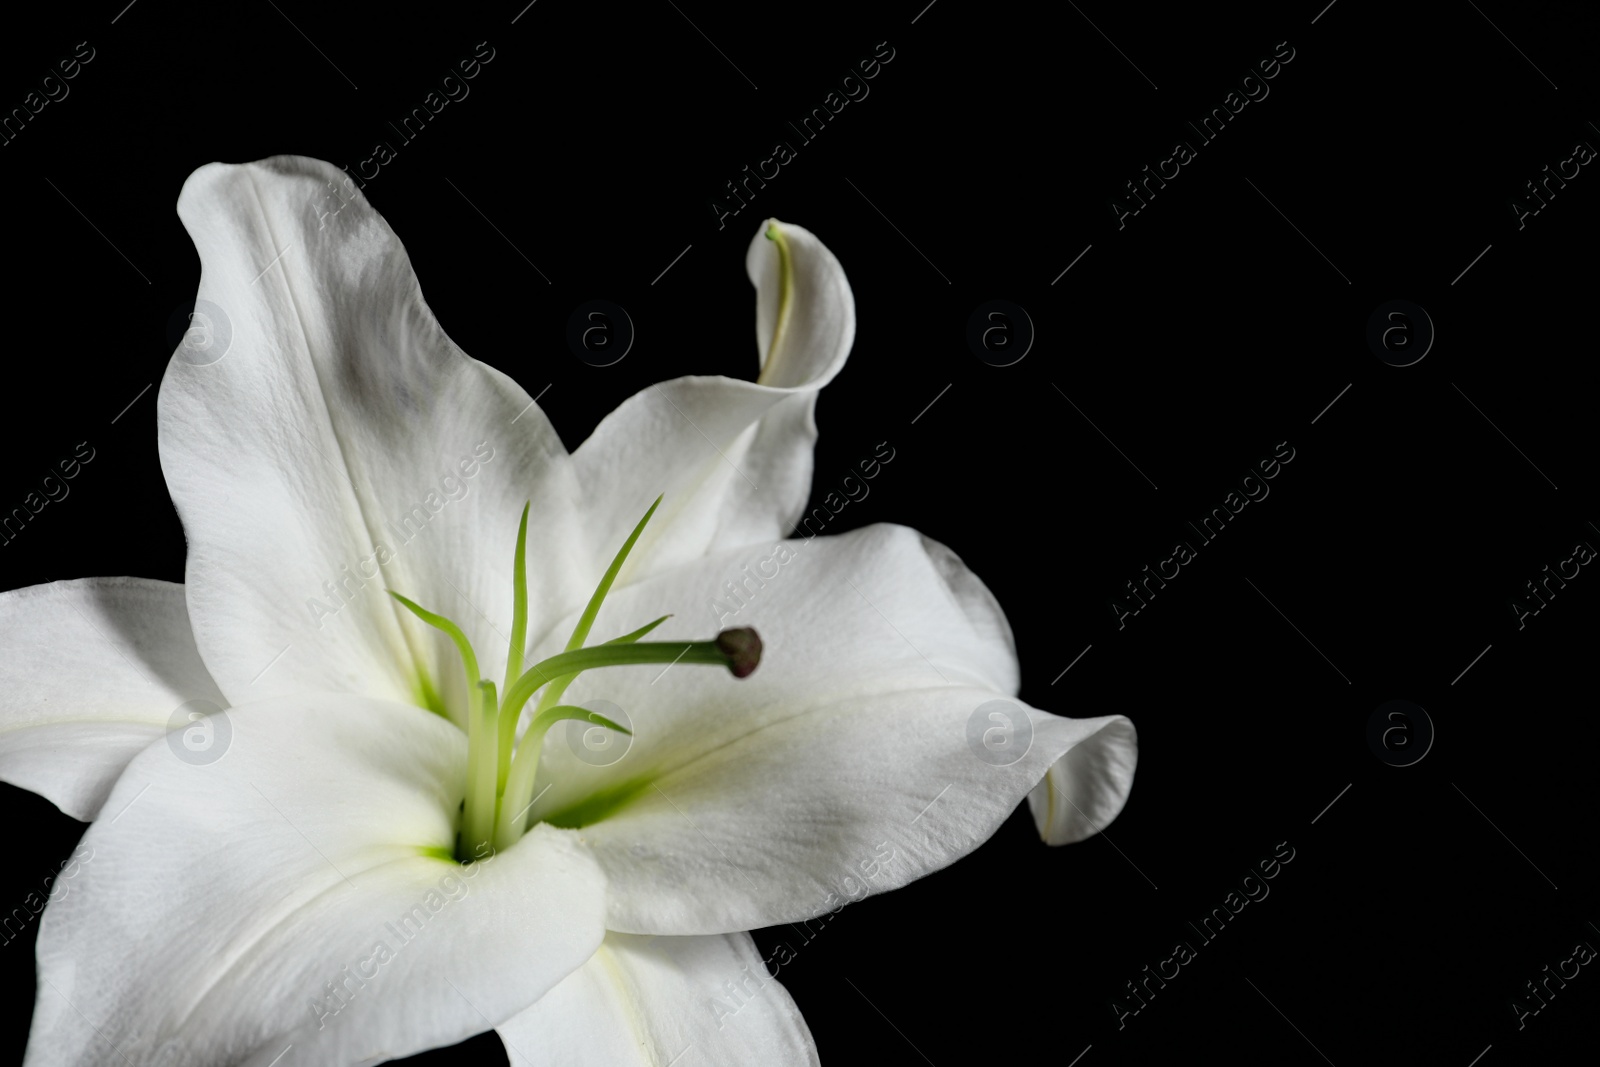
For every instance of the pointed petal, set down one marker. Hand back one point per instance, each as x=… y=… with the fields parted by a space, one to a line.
x=733 y=457
x=652 y=1001
x=91 y=672
x=338 y=443
x=741 y=804
x=223 y=908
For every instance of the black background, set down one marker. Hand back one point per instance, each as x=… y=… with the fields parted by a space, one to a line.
x=1196 y=338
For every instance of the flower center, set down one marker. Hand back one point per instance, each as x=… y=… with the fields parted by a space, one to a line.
x=500 y=772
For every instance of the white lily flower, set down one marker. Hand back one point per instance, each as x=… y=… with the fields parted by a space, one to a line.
x=304 y=896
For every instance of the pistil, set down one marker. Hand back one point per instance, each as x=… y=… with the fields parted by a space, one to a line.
x=500 y=773
x=737 y=650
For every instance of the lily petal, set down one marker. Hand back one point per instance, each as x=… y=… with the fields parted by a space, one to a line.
x=331 y=444
x=742 y=804
x=93 y=670
x=234 y=909
x=733 y=457
x=1084 y=790
x=868 y=792
x=339 y=443
x=649 y=1001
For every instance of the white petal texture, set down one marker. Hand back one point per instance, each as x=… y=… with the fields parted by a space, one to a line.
x=654 y=1001
x=91 y=671
x=342 y=444
x=741 y=804
x=237 y=908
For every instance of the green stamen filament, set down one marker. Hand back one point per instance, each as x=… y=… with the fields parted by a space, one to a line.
x=608 y=655
x=468 y=659
x=581 y=631
x=728 y=651
x=519 y=602
x=552 y=694
x=478 y=817
x=500 y=773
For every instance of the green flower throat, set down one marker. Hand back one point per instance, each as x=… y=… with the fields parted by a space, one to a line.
x=500 y=772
